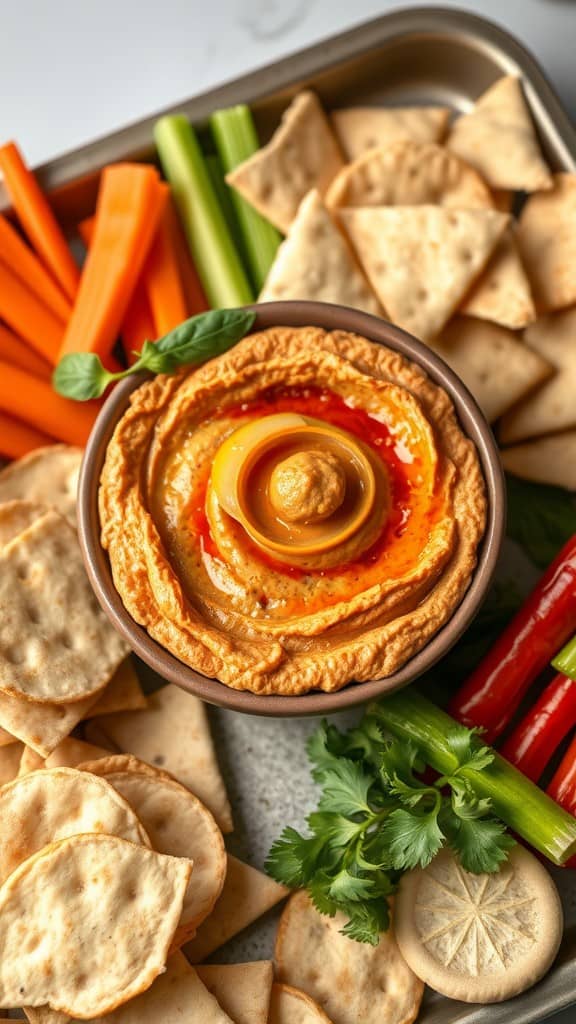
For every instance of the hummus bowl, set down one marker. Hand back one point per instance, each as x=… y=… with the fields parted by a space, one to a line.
x=303 y=524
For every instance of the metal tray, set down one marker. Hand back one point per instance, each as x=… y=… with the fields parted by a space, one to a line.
x=425 y=55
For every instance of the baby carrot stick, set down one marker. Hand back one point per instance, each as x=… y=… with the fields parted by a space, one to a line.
x=15 y=351
x=129 y=206
x=21 y=260
x=86 y=230
x=17 y=439
x=32 y=400
x=161 y=277
x=29 y=317
x=37 y=219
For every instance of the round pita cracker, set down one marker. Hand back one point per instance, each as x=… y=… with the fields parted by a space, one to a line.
x=290 y=1006
x=16 y=516
x=177 y=823
x=48 y=476
x=351 y=981
x=47 y=805
x=86 y=924
x=409 y=174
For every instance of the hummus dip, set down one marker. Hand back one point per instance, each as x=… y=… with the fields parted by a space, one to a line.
x=301 y=512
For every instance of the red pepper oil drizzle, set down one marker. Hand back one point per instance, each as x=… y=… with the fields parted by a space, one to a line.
x=323 y=405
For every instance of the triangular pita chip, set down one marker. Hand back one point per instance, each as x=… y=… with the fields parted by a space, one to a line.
x=502 y=293
x=123 y=692
x=10 y=758
x=421 y=260
x=493 y=363
x=546 y=460
x=30 y=761
x=359 y=129
x=547 y=239
x=292 y=1006
x=247 y=894
x=6 y=738
x=302 y=154
x=503 y=199
x=48 y=476
x=43 y=726
x=498 y=139
x=409 y=174
x=316 y=262
x=71 y=752
x=242 y=990
x=175 y=997
x=172 y=733
x=351 y=981
x=553 y=406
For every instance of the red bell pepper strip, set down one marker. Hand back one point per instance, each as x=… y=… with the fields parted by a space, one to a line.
x=490 y=697
x=562 y=788
x=537 y=737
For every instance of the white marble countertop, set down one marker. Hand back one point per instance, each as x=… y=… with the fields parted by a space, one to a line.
x=71 y=71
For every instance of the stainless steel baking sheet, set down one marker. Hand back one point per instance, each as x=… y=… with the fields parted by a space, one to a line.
x=427 y=55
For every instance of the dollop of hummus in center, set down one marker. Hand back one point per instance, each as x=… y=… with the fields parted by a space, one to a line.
x=307 y=486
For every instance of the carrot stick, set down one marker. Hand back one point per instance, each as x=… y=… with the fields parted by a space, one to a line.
x=17 y=439
x=35 y=402
x=161 y=277
x=21 y=260
x=37 y=219
x=196 y=301
x=138 y=323
x=29 y=317
x=129 y=206
x=15 y=351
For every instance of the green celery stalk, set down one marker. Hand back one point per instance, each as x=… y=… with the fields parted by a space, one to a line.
x=215 y=170
x=566 y=661
x=515 y=800
x=221 y=272
x=236 y=139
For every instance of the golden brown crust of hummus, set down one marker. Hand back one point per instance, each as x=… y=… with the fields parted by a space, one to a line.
x=370 y=635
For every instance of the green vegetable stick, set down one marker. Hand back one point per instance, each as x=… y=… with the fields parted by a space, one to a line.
x=236 y=140
x=518 y=802
x=566 y=661
x=221 y=272
x=224 y=197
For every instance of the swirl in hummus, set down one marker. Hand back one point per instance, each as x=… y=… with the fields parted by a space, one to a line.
x=299 y=513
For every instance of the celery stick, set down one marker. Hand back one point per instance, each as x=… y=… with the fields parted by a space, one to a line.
x=515 y=800
x=224 y=197
x=236 y=140
x=566 y=661
x=221 y=272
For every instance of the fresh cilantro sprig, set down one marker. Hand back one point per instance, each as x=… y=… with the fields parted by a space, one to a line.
x=380 y=813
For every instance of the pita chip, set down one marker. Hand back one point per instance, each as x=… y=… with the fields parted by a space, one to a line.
x=6 y=738
x=247 y=894
x=503 y=293
x=359 y=129
x=72 y=752
x=499 y=140
x=10 y=758
x=422 y=260
x=123 y=692
x=552 y=407
x=172 y=733
x=56 y=644
x=302 y=154
x=16 y=516
x=503 y=199
x=291 y=1006
x=546 y=460
x=242 y=990
x=409 y=174
x=316 y=262
x=30 y=761
x=493 y=363
x=177 y=996
x=47 y=476
x=547 y=240
x=351 y=981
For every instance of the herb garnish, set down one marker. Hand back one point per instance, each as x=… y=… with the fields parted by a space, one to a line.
x=377 y=817
x=81 y=375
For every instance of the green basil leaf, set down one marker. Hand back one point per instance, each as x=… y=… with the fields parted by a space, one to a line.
x=197 y=339
x=81 y=376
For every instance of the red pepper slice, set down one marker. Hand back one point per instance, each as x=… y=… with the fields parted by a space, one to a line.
x=562 y=789
x=535 y=740
x=490 y=697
